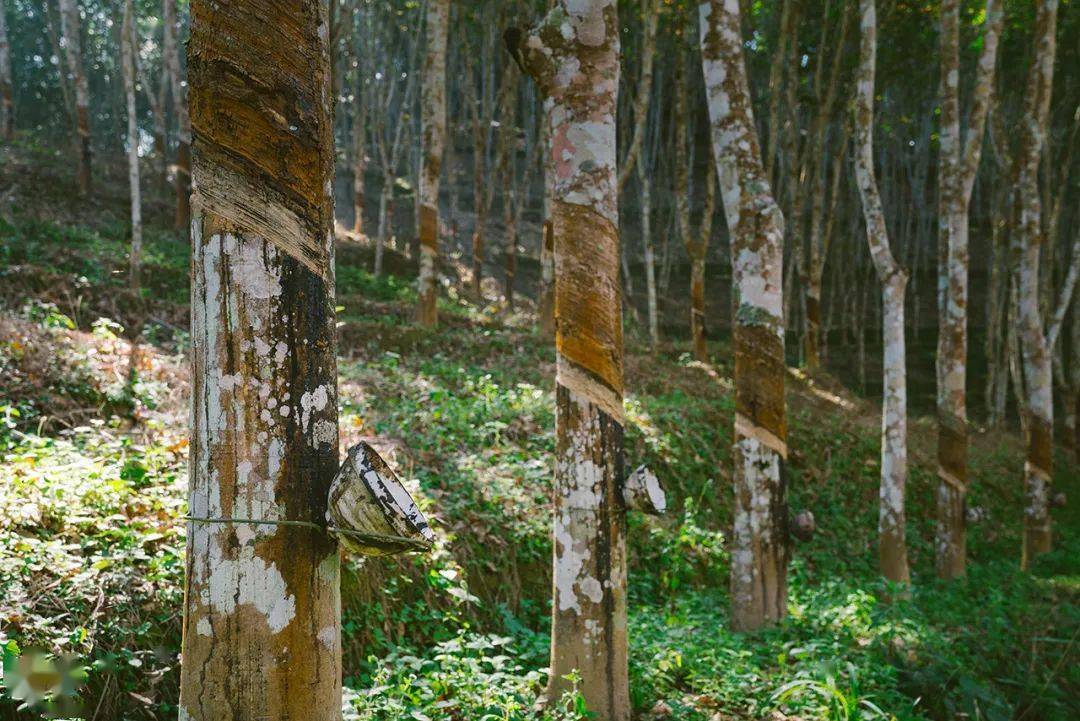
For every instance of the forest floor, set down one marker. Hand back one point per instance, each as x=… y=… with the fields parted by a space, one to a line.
x=93 y=488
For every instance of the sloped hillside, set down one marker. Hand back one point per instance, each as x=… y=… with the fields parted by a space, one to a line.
x=92 y=495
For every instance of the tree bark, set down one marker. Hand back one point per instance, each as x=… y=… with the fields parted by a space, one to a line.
x=128 y=43
x=759 y=545
x=7 y=101
x=1038 y=376
x=573 y=55
x=262 y=606
x=649 y=254
x=182 y=167
x=433 y=130
x=891 y=519
x=69 y=30
x=958 y=166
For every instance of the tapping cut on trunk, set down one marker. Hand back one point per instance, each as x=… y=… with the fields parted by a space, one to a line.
x=261 y=630
x=760 y=547
x=573 y=56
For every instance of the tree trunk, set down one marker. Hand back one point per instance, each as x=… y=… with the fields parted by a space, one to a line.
x=589 y=632
x=7 y=102
x=509 y=246
x=649 y=254
x=182 y=169
x=1073 y=412
x=891 y=520
x=69 y=29
x=128 y=44
x=480 y=205
x=262 y=602
x=956 y=179
x=1038 y=379
x=759 y=545
x=385 y=195
x=433 y=134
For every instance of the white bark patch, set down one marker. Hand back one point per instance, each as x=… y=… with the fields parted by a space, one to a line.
x=570 y=559
x=312 y=400
x=254 y=270
x=587 y=17
x=250 y=581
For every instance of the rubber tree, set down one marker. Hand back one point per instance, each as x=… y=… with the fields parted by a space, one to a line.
x=433 y=138
x=959 y=163
x=1035 y=351
x=892 y=546
x=573 y=56
x=69 y=31
x=129 y=41
x=261 y=631
x=759 y=542
x=7 y=102
x=182 y=167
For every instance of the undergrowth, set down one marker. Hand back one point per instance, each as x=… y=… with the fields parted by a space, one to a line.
x=91 y=530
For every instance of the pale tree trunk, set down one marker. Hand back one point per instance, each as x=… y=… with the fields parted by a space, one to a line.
x=182 y=168
x=433 y=135
x=69 y=30
x=7 y=102
x=956 y=179
x=649 y=253
x=891 y=518
x=262 y=602
x=1038 y=376
x=510 y=223
x=759 y=544
x=128 y=44
x=574 y=57
x=1072 y=417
